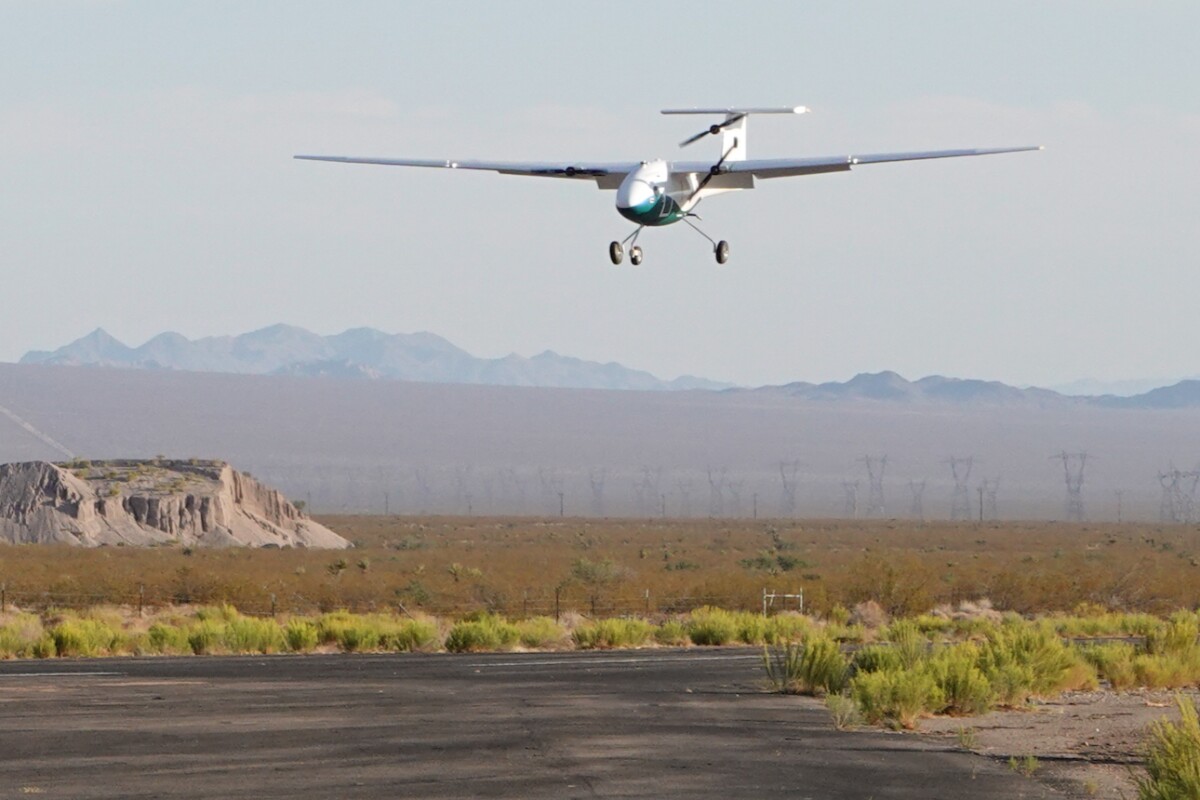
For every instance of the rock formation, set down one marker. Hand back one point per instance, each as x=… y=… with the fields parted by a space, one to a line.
x=202 y=503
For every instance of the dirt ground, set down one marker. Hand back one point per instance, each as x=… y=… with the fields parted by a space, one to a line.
x=1092 y=740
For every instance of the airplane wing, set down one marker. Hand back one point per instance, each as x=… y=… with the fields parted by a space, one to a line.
x=606 y=175
x=789 y=167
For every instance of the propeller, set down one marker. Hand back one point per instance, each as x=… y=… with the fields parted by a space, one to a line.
x=713 y=171
x=712 y=130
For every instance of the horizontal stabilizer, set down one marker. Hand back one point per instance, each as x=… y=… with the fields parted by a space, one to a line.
x=743 y=111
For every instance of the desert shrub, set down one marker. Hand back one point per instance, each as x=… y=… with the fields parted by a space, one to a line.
x=671 y=633
x=167 y=639
x=786 y=628
x=876 y=658
x=711 y=626
x=44 y=647
x=613 y=633
x=843 y=711
x=1176 y=637
x=1166 y=670
x=869 y=614
x=1113 y=662
x=82 y=637
x=359 y=634
x=1173 y=757
x=409 y=635
x=965 y=689
x=300 y=635
x=1020 y=659
x=485 y=632
x=898 y=697
x=540 y=632
x=331 y=626
x=18 y=635
x=910 y=644
x=751 y=628
x=205 y=635
x=251 y=635
x=222 y=613
x=814 y=666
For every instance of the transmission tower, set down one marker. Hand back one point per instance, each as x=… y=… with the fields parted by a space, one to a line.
x=1073 y=464
x=787 y=474
x=462 y=489
x=1178 y=503
x=960 y=504
x=917 y=510
x=875 y=468
x=552 y=491
x=423 y=490
x=512 y=486
x=850 y=494
x=596 y=478
x=716 y=492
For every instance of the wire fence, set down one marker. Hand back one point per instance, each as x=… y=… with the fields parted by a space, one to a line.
x=547 y=602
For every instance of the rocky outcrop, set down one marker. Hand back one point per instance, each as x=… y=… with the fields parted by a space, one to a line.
x=159 y=502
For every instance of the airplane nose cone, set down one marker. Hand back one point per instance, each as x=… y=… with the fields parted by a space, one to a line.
x=635 y=194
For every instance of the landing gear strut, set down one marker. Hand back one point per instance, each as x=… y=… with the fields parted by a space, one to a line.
x=720 y=249
x=616 y=250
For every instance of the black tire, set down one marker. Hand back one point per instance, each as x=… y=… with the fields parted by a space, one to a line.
x=616 y=252
x=722 y=251
x=635 y=255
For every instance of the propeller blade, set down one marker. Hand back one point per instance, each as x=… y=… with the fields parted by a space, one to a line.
x=713 y=130
x=713 y=171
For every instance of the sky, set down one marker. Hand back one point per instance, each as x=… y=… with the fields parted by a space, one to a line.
x=148 y=185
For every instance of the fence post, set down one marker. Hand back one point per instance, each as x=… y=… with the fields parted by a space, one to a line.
x=764 y=601
x=272 y=605
x=593 y=606
x=141 y=599
x=647 y=602
x=3 y=597
x=525 y=603
x=557 y=590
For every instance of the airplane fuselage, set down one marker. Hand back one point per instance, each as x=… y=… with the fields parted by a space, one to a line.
x=649 y=196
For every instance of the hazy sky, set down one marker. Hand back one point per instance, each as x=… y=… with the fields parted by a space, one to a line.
x=148 y=185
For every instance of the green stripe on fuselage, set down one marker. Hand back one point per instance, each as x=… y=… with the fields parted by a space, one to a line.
x=661 y=210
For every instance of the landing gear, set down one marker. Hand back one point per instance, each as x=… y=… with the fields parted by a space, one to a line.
x=635 y=255
x=617 y=253
x=722 y=251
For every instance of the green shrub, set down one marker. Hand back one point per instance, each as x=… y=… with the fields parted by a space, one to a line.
x=358 y=635
x=876 y=658
x=965 y=690
x=409 y=635
x=1020 y=659
x=898 y=697
x=205 y=635
x=222 y=613
x=814 y=666
x=1113 y=662
x=843 y=711
x=300 y=635
x=1173 y=757
x=608 y=633
x=82 y=637
x=910 y=644
x=711 y=626
x=44 y=647
x=672 y=633
x=786 y=628
x=1177 y=637
x=540 y=632
x=1166 y=670
x=168 y=639
x=251 y=635
x=485 y=632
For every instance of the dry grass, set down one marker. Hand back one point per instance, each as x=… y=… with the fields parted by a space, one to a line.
x=514 y=566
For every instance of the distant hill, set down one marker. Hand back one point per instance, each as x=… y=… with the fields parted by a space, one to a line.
x=362 y=353
x=889 y=387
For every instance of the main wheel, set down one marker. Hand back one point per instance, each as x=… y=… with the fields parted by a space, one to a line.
x=635 y=255
x=722 y=251
x=616 y=252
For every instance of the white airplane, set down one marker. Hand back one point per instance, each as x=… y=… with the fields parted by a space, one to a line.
x=655 y=193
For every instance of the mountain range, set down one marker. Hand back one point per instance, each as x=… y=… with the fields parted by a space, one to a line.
x=363 y=353
x=369 y=354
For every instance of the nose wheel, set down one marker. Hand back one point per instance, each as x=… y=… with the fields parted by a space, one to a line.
x=616 y=252
x=721 y=251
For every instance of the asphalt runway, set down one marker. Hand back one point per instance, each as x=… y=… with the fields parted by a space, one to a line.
x=653 y=723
